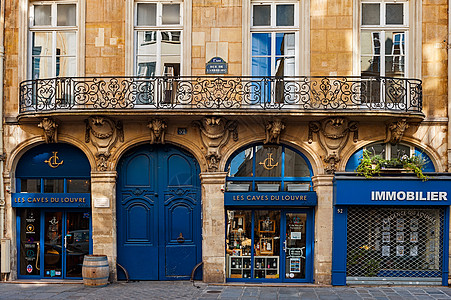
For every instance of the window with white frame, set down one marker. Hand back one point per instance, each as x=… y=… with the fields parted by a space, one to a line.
x=384 y=38
x=53 y=39
x=158 y=36
x=274 y=36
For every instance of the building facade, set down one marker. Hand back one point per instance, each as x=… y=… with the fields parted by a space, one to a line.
x=219 y=139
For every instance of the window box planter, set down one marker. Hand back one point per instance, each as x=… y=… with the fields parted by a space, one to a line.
x=298 y=187
x=268 y=187
x=238 y=187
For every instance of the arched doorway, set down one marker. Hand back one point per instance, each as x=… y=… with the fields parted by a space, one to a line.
x=158 y=213
x=53 y=208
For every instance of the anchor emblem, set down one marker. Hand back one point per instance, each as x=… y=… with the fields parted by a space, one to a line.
x=268 y=163
x=53 y=161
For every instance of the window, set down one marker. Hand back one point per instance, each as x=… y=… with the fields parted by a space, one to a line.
x=268 y=168
x=389 y=151
x=54 y=185
x=53 y=40
x=158 y=36
x=384 y=38
x=274 y=35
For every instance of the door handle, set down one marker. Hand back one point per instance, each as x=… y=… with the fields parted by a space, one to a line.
x=180 y=239
x=285 y=246
x=65 y=241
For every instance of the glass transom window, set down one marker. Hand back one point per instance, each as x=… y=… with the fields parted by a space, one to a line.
x=158 y=36
x=268 y=168
x=53 y=40
x=384 y=38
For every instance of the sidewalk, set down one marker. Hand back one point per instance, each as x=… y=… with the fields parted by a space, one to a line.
x=186 y=290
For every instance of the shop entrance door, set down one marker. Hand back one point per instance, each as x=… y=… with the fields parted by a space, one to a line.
x=158 y=214
x=52 y=244
x=297 y=246
x=66 y=242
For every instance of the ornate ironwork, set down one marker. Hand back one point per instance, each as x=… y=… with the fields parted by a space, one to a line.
x=267 y=93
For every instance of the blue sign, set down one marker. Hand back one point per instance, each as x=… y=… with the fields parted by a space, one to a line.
x=69 y=200
x=269 y=199
x=216 y=65
x=392 y=192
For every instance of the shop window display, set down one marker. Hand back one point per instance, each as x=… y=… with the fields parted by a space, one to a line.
x=394 y=242
x=258 y=258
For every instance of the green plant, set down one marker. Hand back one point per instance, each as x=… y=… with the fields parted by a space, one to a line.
x=371 y=165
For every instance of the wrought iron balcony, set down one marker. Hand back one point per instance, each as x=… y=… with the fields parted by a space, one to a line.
x=324 y=94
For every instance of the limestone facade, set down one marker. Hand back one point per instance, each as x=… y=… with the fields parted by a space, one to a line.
x=216 y=29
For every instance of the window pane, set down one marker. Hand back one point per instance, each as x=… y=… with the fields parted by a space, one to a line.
x=66 y=15
x=398 y=151
x=42 y=67
x=395 y=52
x=146 y=65
x=66 y=66
x=285 y=44
x=53 y=185
x=261 y=66
x=147 y=42
x=30 y=185
x=171 y=14
x=394 y=14
x=295 y=165
x=66 y=43
x=42 y=43
x=371 y=14
x=285 y=15
x=377 y=149
x=370 y=47
x=78 y=186
x=261 y=44
x=42 y=15
x=268 y=161
x=238 y=243
x=170 y=43
x=266 y=243
x=241 y=164
x=30 y=229
x=262 y=15
x=147 y=14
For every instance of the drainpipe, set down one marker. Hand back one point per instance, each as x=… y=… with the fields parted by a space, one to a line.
x=448 y=167
x=2 y=153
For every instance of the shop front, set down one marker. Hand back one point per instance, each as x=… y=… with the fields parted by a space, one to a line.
x=391 y=230
x=53 y=215
x=269 y=216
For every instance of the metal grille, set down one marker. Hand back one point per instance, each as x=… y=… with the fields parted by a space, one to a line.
x=394 y=242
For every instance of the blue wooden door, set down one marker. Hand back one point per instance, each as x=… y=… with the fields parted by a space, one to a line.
x=158 y=213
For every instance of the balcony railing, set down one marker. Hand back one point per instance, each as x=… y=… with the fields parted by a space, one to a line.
x=224 y=93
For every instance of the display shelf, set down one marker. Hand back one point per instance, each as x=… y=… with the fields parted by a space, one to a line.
x=264 y=267
x=239 y=267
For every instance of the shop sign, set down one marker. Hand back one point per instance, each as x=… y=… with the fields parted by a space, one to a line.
x=51 y=200
x=268 y=199
x=392 y=192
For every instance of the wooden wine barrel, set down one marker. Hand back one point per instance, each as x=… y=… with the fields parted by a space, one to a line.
x=95 y=270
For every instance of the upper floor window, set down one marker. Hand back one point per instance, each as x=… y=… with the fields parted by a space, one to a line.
x=158 y=36
x=384 y=38
x=274 y=35
x=53 y=39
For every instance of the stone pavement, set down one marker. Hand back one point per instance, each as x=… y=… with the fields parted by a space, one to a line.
x=185 y=290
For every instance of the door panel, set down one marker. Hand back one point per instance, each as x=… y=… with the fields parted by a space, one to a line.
x=53 y=244
x=158 y=213
x=295 y=245
x=76 y=242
